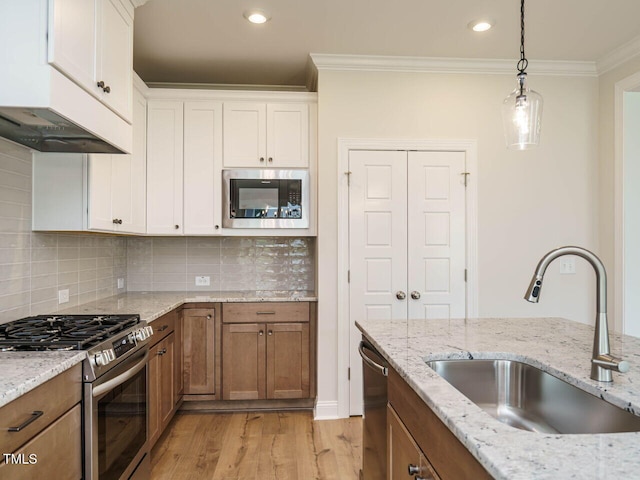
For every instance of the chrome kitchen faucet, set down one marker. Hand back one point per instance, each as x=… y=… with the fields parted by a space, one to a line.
x=602 y=362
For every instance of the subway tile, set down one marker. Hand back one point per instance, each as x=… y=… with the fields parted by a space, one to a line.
x=176 y=243
x=14 y=255
x=104 y=262
x=42 y=281
x=68 y=241
x=44 y=268
x=87 y=264
x=104 y=272
x=203 y=242
x=39 y=295
x=15 y=270
x=87 y=297
x=162 y=268
x=43 y=240
x=72 y=265
x=12 y=195
x=86 y=286
x=104 y=292
x=44 y=254
x=67 y=253
x=15 y=240
x=169 y=258
x=87 y=275
x=237 y=242
x=14 y=300
x=87 y=252
x=169 y=286
x=15 y=224
x=14 y=285
x=66 y=278
x=139 y=287
x=46 y=307
x=12 y=179
x=15 y=210
x=9 y=315
x=170 y=277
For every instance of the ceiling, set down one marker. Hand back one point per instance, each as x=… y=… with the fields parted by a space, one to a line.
x=209 y=41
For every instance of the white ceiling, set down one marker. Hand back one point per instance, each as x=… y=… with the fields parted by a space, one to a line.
x=209 y=41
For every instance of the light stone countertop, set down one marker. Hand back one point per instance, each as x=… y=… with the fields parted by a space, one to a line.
x=561 y=347
x=21 y=372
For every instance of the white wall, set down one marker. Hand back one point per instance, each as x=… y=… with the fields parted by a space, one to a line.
x=528 y=202
x=631 y=199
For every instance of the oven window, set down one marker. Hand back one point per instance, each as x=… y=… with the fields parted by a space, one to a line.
x=122 y=426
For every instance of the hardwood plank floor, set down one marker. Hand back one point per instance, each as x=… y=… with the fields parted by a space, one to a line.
x=258 y=445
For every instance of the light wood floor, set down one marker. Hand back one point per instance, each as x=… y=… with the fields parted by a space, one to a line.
x=252 y=446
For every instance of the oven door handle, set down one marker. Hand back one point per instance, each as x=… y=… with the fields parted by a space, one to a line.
x=120 y=379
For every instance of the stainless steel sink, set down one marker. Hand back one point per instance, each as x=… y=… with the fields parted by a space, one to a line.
x=528 y=398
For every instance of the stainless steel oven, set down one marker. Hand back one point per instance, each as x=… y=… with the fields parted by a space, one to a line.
x=264 y=198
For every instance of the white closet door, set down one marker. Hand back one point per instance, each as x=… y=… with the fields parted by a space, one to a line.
x=377 y=245
x=436 y=235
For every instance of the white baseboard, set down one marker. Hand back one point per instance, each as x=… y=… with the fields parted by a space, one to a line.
x=327 y=410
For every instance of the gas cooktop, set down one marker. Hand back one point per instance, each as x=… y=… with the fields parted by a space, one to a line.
x=62 y=332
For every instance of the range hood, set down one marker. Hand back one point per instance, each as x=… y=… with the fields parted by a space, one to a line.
x=46 y=131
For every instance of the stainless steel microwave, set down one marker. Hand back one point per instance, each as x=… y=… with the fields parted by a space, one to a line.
x=264 y=198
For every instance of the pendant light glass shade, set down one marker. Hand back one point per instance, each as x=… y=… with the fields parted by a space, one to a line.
x=521 y=116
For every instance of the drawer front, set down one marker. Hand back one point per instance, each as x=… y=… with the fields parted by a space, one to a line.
x=265 y=312
x=163 y=326
x=56 y=452
x=53 y=398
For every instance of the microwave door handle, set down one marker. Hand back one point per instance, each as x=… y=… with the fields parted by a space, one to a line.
x=120 y=379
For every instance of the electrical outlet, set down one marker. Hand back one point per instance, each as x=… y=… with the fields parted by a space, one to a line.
x=120 y=283
x=203 y=281
x=568 y=266
x=63 y=296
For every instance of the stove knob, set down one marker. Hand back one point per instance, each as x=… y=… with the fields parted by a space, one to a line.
x=141 y=334
x=99 y=360
x=109 y=354
x=149 y=330
x=132 y=338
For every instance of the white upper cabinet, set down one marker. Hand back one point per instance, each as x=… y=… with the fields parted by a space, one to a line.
x=97 y=192
x=92 y=43
x=165 y=162
x=266 y=135
x=202 y=168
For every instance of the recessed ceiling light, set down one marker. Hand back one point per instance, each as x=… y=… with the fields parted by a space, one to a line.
x=480 y=25
x=256 y=16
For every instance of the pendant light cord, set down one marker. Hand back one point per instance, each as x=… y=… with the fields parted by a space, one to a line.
x=523 y=63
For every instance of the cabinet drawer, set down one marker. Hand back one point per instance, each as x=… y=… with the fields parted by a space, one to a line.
x=56 y=452
x=265 y=312
x=53 y=398
x=163 y=326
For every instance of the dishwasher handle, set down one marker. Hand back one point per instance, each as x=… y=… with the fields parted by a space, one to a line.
x=375 y=366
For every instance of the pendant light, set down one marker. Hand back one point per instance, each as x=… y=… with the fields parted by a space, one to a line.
x=522 y=109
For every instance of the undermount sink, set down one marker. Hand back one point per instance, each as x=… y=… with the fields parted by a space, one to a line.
x=528 y=398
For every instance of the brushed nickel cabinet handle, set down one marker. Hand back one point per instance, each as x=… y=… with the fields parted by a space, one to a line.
x=34 y=416
x=163 y=328
x=265 y=313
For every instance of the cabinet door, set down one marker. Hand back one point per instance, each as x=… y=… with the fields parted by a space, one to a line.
x=153 y=370
x=244 y=134
x=100 y=172
x=288 y=360
x=129 y=182
x=164 y=167
x=114 y=59
x=178 y=360
x=402 y=451
x=287 y=135
x=167 y=380
x=202 y=167
x=243 y=361
x=72 y=40
x=199 y=351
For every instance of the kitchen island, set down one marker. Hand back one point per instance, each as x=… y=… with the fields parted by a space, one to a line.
x=560 y=347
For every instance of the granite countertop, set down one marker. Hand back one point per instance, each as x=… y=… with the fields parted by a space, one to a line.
x=24 y=371
x=561 y=347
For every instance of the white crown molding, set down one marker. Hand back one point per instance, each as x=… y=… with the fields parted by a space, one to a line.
x=209 y=94
x=138 y=3
x=140 y=85
x=378 y=63
x=618 y=56
x=227 y=86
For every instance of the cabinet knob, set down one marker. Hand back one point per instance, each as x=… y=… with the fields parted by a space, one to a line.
x=177 y=227
x=217 y=227
x=115 y=220
x=270 y=159
x=400 y=295
x=260 y=333
x=262 y=159
x=101 y=84
x=415 y=295
x=413 y=469
x=270 y=332
x=162 y=352
x=107 y=89
x=208 y=317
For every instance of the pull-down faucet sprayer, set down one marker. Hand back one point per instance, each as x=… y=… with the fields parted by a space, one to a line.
x=602 y=361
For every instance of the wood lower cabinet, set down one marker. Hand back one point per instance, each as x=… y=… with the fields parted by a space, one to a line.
x=268 y=360
x=405 y=458
x=50 y=439
x=164 y=367
x=416 y=436
x=201 y=352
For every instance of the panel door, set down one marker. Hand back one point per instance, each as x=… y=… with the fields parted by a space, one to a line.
x=154 y=372
x=401 y=449
x=243 y=361
x=72 y=40
x=244 y=134
x=199 y=351
x=114 y=65
x=202 y=165
x=100 y=173
x=167 y=381
x=436 y=235
x=377 y=246
x=287 y=135
x=288 y=360
x=164 y=167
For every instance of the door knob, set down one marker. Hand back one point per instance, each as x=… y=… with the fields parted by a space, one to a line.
x=400 y=295
x=415 y=295
x=413 y=469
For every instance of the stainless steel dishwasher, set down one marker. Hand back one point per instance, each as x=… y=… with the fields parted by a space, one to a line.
x=374 y=429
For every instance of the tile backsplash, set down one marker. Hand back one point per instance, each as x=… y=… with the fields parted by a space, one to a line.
x=34 y=266
x=231 y=263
